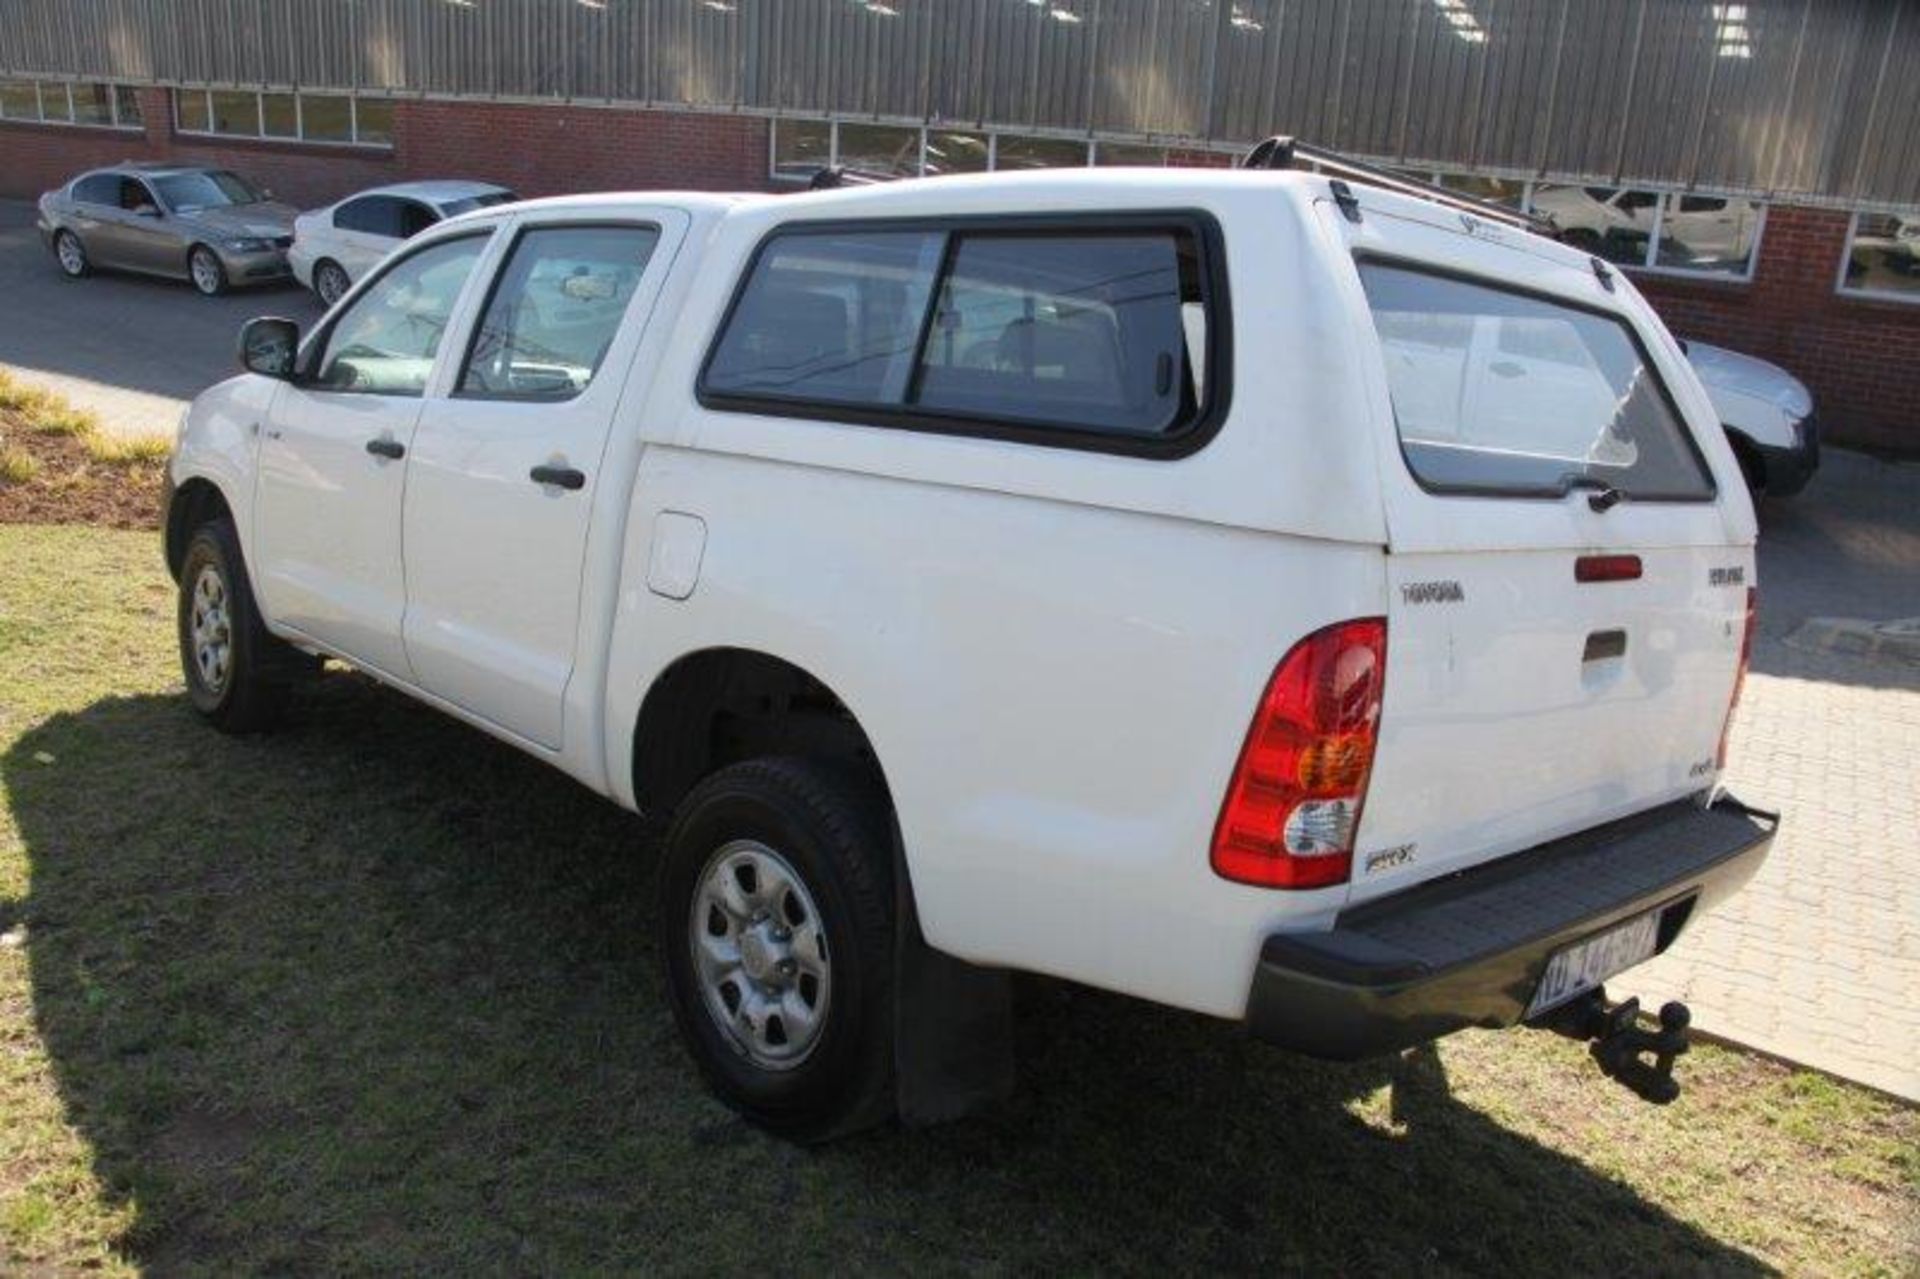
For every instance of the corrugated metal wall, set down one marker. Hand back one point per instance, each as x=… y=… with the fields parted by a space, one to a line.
x=1795 y=97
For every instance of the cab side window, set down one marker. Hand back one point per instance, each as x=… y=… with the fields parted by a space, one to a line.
x=385 y=343
x=554 y=311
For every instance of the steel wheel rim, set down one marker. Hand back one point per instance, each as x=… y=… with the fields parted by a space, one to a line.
x=206 y=272
x=71 y=259
x=332 y=284
x=759 y=954
x=210 y=629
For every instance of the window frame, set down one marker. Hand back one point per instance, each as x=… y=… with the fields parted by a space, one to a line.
x=1840 y=288
x=1520 y=492
x=70 y=120
x=1216 y=386
x=260 y=135
x=313 y=349
x=499 y=278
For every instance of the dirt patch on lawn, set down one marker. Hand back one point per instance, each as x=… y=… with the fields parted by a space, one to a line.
x=48 y=478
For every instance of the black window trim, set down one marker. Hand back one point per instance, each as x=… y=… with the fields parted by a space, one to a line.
x=1216 y=388
x=1522 y=492
x=313 y=350
x=499 y=277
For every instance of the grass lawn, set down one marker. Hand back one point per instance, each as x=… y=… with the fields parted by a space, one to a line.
x=378 y=993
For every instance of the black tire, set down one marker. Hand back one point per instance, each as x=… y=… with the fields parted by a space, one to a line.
x=205 y=271
x=249 y=690
x=71 y=255
x=330 y=282
x=1752 y=469
x=834 y=829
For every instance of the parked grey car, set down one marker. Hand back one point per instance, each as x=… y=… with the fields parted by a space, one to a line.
x=208 y=226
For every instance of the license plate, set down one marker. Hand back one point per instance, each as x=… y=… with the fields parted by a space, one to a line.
x=1585 y=964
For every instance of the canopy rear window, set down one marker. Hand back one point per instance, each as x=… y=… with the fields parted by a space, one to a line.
x=1501 y=392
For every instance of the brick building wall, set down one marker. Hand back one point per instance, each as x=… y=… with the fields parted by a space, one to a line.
x=1861 y=358
x=536 y=150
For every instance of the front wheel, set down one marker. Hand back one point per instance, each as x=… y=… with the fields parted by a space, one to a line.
x=776 y=905
x=203 y=267
x=239 y=676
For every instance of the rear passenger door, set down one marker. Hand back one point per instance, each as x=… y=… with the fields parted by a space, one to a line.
x=504 y=475
x=366 y=230
x=96 y=217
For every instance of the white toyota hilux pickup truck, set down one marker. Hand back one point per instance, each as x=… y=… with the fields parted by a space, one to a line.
x=1290 y=599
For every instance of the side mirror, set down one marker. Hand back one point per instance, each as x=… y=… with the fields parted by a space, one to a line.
x=268 y=346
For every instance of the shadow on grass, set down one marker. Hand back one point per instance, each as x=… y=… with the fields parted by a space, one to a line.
x=379 y=993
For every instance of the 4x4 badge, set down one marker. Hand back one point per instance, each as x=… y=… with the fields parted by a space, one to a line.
x=1733 y=576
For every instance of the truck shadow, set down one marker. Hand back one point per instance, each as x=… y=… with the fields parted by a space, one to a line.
x=378 y=993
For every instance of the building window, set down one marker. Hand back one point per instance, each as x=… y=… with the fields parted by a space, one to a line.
x=879 y=148
x=1011 y=152
x=95 y=105
x=801 y=148
x=326 y=118
x=1883 y=257
x=1125 y=153
x=1508 y=191
x=1685 y=232
x=291 y=117
x=949 y=151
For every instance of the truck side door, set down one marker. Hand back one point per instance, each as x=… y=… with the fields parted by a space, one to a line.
x=505 y=470
x=333 y=456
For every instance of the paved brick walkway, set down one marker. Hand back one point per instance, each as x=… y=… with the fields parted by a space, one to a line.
x=1818 y=961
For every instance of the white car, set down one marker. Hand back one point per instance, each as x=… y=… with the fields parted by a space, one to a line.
x=337 y=245
x=1768 y=414
x=1190 y=583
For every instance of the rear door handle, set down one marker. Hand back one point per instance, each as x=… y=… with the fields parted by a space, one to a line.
x=385 y=447
x=565 y=476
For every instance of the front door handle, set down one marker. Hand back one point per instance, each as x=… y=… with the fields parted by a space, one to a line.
x=565 y=476
x=386 y=447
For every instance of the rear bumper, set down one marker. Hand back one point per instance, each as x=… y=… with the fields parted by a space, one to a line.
x=1468 y=950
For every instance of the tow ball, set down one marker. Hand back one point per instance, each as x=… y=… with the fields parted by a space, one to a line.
x=1621 y=1047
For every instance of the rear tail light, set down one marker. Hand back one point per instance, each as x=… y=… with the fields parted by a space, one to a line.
x=1294 y=803
x=1739 y=676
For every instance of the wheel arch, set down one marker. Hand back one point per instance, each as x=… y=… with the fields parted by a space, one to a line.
x=715 y=706
x=195 y=501
x=1753 y=466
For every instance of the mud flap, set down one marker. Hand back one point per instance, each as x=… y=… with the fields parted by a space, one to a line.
x=953 y=1023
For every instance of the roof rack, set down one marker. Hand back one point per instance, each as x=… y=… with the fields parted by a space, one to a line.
x=1281 y=152
x=832 y=179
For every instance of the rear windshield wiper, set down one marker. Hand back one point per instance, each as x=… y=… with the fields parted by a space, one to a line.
x=1602 y=499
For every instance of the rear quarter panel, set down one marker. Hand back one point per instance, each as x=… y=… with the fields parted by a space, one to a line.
x=1055 y=653
x=1057 y=694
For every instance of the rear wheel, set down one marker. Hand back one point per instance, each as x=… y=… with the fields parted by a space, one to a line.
x=71 y=255
x=203 y=267
x=776 y=905
x=239 y=676
x=330 y=283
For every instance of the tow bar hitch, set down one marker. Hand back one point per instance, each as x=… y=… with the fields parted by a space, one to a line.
x=1620 y=1047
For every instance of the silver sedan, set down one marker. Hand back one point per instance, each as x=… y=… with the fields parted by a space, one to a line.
x=208 y=226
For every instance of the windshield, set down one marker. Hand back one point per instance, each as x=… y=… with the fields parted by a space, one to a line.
x=467 y=204
x=207 y=189
x=1501 y=392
